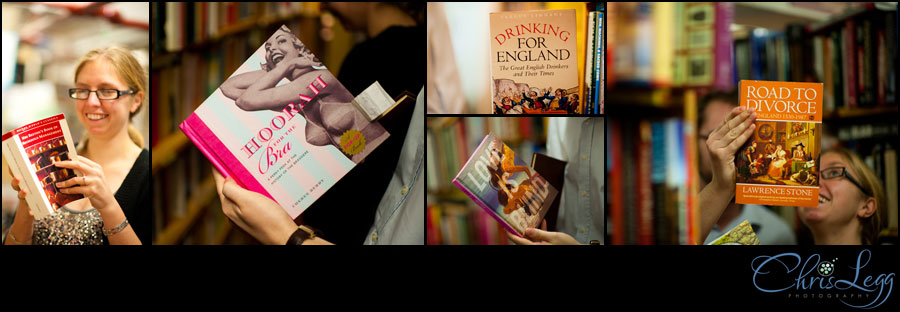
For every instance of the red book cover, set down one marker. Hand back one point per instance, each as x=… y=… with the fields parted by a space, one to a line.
x=31 y=152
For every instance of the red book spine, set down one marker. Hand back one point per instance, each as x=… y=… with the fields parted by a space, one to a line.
x=850 y=62
x=644 y=204
x=617 y=212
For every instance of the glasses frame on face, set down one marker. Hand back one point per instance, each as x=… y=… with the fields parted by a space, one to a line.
x=119 y=93
x=845 y=174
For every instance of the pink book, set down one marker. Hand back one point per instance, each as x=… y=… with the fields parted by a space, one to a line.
x=283 y=126
x=501 y=184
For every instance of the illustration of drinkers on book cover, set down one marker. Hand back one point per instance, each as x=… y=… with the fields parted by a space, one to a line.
x=500 y=182
x=282 y=125
x=777 y=165
x=534 y=62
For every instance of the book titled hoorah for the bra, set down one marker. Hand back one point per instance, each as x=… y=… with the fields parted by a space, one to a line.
x=534 y=62
x=283 y=126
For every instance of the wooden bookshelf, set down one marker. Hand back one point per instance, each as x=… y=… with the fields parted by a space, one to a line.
x=865 y=112
x=167 y=150
x=775 y=15
x=198 y=203
x=836 y=21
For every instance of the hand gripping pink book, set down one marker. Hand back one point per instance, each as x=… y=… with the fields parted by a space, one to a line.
x=283 y=126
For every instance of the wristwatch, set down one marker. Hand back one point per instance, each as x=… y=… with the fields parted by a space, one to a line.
x=301 y=234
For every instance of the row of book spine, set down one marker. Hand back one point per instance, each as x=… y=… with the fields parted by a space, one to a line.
x=670 y=44
x=457 y=224
x=595 y=64
x=856 y=59
x=655 y=162
x=690 y=45
x=181 y=24
x=649 y=206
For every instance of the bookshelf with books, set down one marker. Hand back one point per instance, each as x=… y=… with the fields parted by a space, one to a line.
x=452 y=217
x=195 y=46
x=847 y=48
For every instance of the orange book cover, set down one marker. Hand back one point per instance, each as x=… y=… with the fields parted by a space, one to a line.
x=778 y=164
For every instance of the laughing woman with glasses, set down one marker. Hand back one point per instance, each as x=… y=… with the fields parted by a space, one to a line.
x=850 y=194
x=110 y=86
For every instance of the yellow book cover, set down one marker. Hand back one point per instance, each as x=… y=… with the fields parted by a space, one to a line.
x=742 y=234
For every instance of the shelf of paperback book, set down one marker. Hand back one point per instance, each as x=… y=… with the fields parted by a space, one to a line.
x=838 y=20
x=869 y=112
x=164 y=59
x=646 y=102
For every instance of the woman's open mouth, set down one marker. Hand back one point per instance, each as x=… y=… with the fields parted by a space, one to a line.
x=277 y=58
x=95 y=117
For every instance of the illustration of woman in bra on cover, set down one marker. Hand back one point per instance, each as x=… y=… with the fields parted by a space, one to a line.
x=330 y=113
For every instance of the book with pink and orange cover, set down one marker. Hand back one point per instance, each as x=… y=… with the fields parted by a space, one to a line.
x=283 y=126
x=500 y=183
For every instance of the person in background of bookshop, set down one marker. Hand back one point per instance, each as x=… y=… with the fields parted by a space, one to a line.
x=769 y=227
x=579 y=141
x=390 y=54
x=444 y=88
x=399 y=202
x=850 y=193
x=110 y=86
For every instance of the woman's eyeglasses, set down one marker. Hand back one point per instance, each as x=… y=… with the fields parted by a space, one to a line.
x=837 y=172
x=103 y=94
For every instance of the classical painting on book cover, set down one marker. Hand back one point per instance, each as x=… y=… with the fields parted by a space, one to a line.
x=780 y=153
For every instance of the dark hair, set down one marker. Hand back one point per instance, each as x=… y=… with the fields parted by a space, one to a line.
x=301 y=48
x=730 y=97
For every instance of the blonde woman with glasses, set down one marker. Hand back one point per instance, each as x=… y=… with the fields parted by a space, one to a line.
x=850 y=194
x=110 y=88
